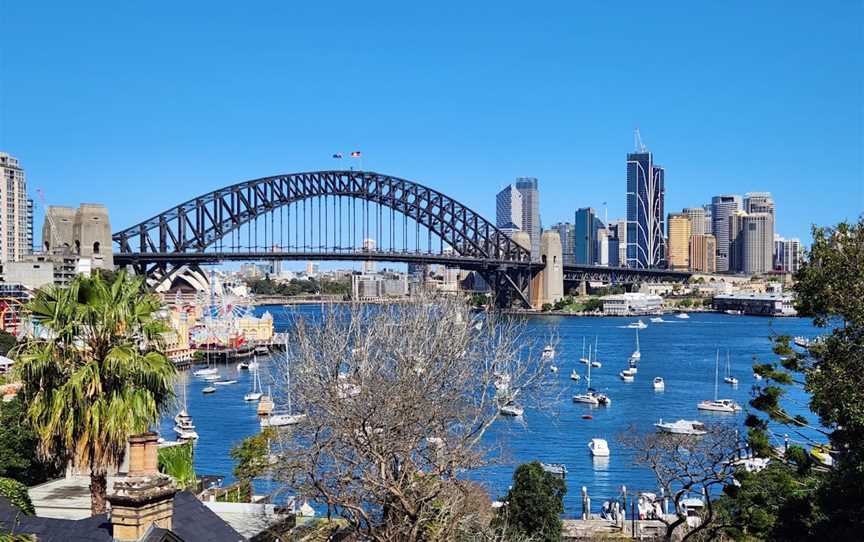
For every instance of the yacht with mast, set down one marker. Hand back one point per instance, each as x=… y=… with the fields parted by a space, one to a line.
x=729 y=379
x=583 y=359
x=281 y=419
x=718 y=405
x=637 y=354
x=591 y=396
x=255 y=394
x=183 y=425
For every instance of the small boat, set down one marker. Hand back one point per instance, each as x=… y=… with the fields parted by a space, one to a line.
x=511 y=409
x=262 y=350
x=243 y=366
x=212 y=378
x=729 y=379
x=255 y=393
x=252 y=396
x=803 y=342
x=599 y=447
x=681 y=427
x=659 y=384
x=627 y=375
x=253 y=365
x=596 y=364
x=588 y=398
x=224 y=382
x=587 y=417
x=633 y=366
x=822 y=454
x=682 y=316
x=733 y=312
x=574 y=375
x=719 y=405
x=603 y=399
x=583 y=359
x=657 y=320
x=553 y=368
x=281 y=420
x=757 y=376
x=558 y=469
x=207 y=371
x=209 y=389
x=548 y=352
x=591 y=397
x=637 y=354
x=183 y=425
x=638 y=324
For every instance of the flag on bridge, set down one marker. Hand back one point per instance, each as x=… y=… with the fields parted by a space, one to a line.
x=337 y=155
x=355 y=154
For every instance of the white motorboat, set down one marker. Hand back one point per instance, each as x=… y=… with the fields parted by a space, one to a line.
x=243 y=365
x=209 y=389
x=589 y=398
x=729 y=379
x=183 y=425
x=599 y=447
x=734 y=312
x=553 y=368
x=511 y=409
x=718 y=405
x=657 y=320
x=637 y=354
x=281 y=420
x=575 y=376
x=603 y=399
x=638 y=324
x=659 y=384
x=682 y=316
x=548 y=352
x=596 y=364
x=255 y=393
x=803 y=342
x=681 y=427
x=757 y=376
x=224 y=382
x=627 y=375
x=212 y=378
x=207 y=371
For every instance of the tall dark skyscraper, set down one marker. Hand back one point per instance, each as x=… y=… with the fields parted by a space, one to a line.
x=646 y=192
x=528 y=187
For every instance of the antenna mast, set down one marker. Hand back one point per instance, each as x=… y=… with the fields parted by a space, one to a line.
x=640 y=147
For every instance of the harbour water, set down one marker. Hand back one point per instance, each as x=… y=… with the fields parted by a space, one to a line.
x=681 y=351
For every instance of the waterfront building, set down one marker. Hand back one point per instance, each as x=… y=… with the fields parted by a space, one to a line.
x=757 y=243
x=529 y=188
x=722 y=207
x=760 y=304
x=368 y=265
x=646 y=192
x=697 y=220
x=631 y=303
x=508 y=209
x=678 y=242
x=585 y=229
x=567 y=233
x=703 y=253
x=16 y=219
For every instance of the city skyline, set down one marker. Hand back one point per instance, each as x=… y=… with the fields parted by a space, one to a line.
x=143 y=143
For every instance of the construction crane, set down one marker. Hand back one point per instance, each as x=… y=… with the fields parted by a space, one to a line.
x=50 y=219
x=640 y=147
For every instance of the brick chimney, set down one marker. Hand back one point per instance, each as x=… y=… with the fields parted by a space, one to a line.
x=144 y=497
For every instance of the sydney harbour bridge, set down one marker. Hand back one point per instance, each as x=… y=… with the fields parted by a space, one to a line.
x=345 y=215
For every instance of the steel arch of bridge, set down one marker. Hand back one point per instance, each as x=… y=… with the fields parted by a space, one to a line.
x=194 y=226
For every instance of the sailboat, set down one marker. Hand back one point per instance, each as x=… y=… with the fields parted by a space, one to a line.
x=591 y=397
x=595 y=362
x=718 y=405
x=729 y=379
x=637 y=354
x=255 y=394
x=281 y=419
x=183 y=425
x=583 y=359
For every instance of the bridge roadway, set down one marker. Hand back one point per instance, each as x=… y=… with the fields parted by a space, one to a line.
x=572 y=273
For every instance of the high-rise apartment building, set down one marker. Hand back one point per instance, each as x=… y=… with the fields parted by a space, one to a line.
x=566 y=231
x=678 y=241
x=368 y=265
x=709 y=226
x=788 y=254
x=619 y=227
x=585 y=227
x=703 y=253
x=735 y=250
x=528 y=187
x=16 y=213
x=646 y=193
x=722 y=207
x=697 y=220
x=508 y=208
x=758 y=243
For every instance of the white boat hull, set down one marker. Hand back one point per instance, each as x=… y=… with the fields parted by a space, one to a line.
x=282 y=420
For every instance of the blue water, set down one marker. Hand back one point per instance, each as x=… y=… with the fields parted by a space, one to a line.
x=681 y=351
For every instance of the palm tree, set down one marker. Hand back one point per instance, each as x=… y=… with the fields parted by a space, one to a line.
x=93 y=372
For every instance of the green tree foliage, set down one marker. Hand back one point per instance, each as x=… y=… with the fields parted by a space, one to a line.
x=99 y=376
x=18 y=444
x=178 y=463
x=16 y=493
x=253 y=455
x=593 y=304
x=298 y=287
x=686 y=303
x=806 y=502
x=534 y=505
x=7 y=342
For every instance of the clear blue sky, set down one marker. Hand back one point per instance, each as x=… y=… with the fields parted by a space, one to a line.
x=142 y=105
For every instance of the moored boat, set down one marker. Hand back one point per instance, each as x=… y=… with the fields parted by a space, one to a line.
x=681 y=427
x=659 y=383
x=599 y=447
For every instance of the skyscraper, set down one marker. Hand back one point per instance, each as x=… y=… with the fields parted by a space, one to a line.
x=585 y=228
x=368 y=265
x=528 y=187
x=788 y=254
x=620 y=228
x=722 y=207
x=703 y=253
x=678 y=226
x=566 y=232
x=646 y=193
x=735 y=245
x=508 y=208
x=758 y=243
x=709 y=227
x=16 y=211
x=697 y=220
x=759 y=202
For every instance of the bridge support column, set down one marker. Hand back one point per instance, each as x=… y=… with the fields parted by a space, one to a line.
x=548 y=285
